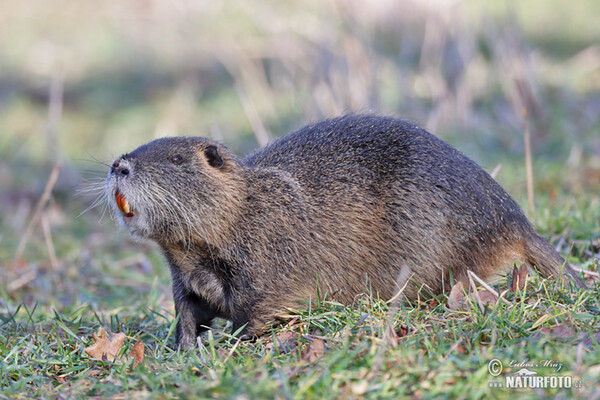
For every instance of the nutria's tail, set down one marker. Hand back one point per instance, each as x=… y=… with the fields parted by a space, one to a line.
x=540 y=255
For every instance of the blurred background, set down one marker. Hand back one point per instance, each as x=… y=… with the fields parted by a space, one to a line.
x=83 y=82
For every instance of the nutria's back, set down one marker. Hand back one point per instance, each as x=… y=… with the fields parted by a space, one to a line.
x=390 y=160
x=436 y=208
x=339 y=207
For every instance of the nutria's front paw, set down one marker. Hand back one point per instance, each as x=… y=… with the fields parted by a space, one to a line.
x=186 y=343
x=248 y=337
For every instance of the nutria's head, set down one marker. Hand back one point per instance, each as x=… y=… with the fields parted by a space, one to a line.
x=175 y=189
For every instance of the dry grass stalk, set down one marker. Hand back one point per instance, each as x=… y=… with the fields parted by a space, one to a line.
x=495 y=171
x=21 y=281
x=260 y=132
x=49 y=243
x=404 y=278
x=528 y=166
x=585 y=271
x=39 y=208
x=488 y=287
x=474 y=289
x=55 y=106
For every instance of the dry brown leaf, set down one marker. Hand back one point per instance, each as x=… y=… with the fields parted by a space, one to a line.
x=456 y=299
x=314 y=350
x=393 y=335
x=137 y=353
x=284 y=342
x=519 y=276
x=590 y=280
x=487 y=297
x=591 y=339
x=432 y=304
x=106 y=349
x=222 y=353
x=103 y=348
x=450 y=381
x=390 y=335
x=60 y=379
x=559 y=331
x=402 y=330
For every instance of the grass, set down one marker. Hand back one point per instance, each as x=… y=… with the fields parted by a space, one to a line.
x=444 y=354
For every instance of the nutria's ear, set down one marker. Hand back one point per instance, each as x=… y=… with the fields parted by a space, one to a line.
x=213 y=157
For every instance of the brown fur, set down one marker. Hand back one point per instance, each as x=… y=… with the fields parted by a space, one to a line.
x=346 y=205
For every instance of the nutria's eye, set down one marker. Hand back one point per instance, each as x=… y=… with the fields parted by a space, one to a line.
x=177 y=159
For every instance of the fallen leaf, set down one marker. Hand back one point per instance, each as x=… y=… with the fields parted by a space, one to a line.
x=103 y=348
x=314 y=350
x=284 y=342
x=450 y=381
x=402 y=331
x=432 y=304
x=60 y=379
x=487 y=297
x=560 y=332
x=456 y=299
x=519 y=278
x=390 y=335
x=137 y=353
x=591 y=280
x=222 y=353
x=591 y=339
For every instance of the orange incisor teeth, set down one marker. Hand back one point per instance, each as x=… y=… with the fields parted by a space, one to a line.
x=123 y=204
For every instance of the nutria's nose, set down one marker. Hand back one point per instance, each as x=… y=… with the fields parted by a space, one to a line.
x=119 y=168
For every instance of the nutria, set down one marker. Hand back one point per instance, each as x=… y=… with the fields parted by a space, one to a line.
x=338 y=207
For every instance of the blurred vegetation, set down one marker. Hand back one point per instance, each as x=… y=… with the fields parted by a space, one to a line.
x=128 y=72
x=82 y=82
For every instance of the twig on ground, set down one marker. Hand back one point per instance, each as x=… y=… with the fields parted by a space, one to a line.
x=474 y=289
x=585 y=271
x=488 y=287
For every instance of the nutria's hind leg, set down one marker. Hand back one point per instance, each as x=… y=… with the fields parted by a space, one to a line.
x=246 y=326
x=543 y=257
x=251 y=317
